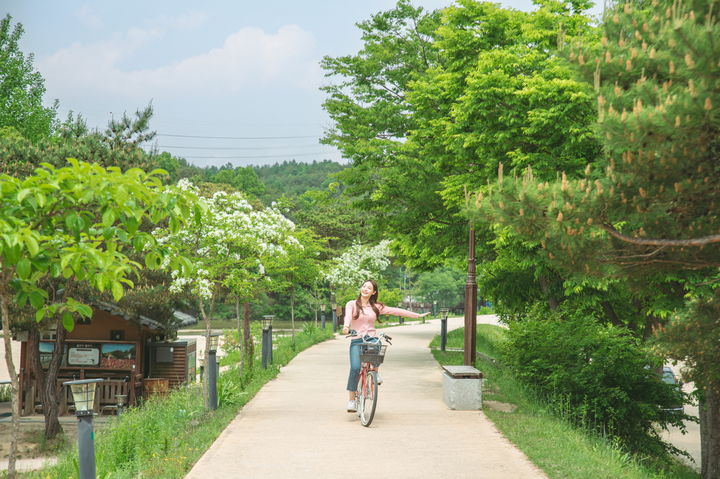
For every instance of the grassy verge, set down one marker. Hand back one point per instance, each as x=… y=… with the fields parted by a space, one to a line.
x=232 y=324
x=167 y=435
x=561 y=450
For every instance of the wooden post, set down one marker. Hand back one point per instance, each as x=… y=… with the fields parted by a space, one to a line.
x=470 y=303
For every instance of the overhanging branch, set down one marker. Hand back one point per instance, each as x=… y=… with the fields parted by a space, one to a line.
x=705 y=240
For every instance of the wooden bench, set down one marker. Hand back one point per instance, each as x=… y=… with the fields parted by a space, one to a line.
x=106 y=395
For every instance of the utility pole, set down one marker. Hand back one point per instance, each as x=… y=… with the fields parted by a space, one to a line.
x=470 y=303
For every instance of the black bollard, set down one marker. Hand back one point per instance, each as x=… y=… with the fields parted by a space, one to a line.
x=443 y=333
x=264 y=348
x=212 y=380
x=86 y=447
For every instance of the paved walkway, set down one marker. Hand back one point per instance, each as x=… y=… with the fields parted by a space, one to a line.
x=297 y=426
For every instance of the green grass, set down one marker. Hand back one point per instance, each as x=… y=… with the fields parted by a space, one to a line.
x=167 y=435
x=561 y=450
x=5 y=392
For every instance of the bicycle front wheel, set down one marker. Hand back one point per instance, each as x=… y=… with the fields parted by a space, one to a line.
x=368 y=399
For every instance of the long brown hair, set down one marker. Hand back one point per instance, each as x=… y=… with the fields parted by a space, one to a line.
x=372 y=301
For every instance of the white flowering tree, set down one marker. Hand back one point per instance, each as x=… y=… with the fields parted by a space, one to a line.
x=300 y=268
x=357 y=264
x=228 y=245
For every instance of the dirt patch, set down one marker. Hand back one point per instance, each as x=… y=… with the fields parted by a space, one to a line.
x=499 y=406
x=31 y=441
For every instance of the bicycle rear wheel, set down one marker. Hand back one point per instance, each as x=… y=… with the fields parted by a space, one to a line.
x=368 y=399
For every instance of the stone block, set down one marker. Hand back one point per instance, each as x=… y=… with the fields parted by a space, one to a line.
x=462 y=388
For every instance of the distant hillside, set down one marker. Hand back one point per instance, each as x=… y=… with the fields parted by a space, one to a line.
x=294 y=178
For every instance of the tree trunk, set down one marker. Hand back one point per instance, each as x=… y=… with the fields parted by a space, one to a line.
x=248 y=349
x=545 y=288
x=610 y=314
x=240 y=335
x=48 y=384
x=710 y=432
x=206 y=362
x=651 y=325
x=14 y=380
x=292 y=314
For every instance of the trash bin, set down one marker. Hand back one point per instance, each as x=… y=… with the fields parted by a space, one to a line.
x=159 y=386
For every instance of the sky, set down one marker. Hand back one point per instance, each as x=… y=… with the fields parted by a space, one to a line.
x=230 y=81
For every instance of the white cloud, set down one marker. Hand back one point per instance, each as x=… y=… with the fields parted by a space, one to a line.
x=89 y=18
x=248 y=58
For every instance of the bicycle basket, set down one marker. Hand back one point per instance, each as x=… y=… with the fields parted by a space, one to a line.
x=372 y=353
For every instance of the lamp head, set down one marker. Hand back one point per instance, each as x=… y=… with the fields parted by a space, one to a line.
x=213 y=341
x=83 y=392
x=267 y=320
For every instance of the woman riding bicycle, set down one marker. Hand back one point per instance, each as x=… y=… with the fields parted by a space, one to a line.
x=360 y=315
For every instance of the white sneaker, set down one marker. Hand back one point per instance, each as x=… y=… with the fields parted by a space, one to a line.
x=379 y=378
x=351 y=406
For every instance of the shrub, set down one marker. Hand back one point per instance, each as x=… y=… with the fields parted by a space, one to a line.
x=595 y=375
x=5 y=393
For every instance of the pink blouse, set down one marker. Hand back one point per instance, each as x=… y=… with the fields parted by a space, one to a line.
x=365 y=322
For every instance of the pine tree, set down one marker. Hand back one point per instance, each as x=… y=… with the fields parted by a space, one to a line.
x=651 y=211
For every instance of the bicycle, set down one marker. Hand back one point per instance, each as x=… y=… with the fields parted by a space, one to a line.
x=372 y=354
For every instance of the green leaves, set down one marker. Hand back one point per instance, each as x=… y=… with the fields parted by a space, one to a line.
x=427 y=113
x=117 y=290
x=23 y=268
x=58 y=234
x=67 y=321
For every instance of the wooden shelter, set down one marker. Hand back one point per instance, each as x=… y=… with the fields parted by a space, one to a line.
x=112 y=346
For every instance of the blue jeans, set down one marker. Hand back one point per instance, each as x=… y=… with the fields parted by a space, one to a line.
x=354 y=376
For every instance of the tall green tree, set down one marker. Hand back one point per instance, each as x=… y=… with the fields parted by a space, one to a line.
x=243 y=179
x=649 y=212
x=78 y=223
x=299 y=269
x=434 y=99
x=21 y=87
x=444 y=285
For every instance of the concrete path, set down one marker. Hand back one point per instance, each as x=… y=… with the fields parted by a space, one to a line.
x=297 y=425
x=690 y=441
x=4 y=373
x=27 y=465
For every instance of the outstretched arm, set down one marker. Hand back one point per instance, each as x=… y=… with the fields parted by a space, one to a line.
x=401 y=312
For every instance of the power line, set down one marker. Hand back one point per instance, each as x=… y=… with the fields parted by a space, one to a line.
x=238 y=137
x=238 y=147
x=250 y=157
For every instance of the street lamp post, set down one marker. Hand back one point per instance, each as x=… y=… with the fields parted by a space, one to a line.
x=334 y=316
x=267 y=340
x=443 y=328
x=213 y=342
x=83 y=392
x=322 y=315
x=470 y=303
